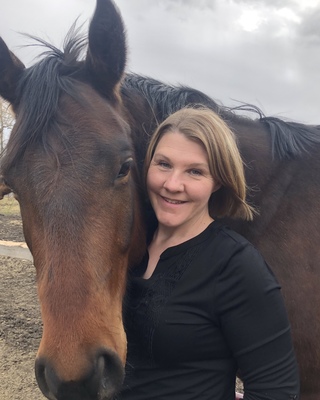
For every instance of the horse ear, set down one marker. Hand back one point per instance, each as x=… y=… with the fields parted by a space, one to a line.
x=106 y=57
x=10 y=70
x=4 y=188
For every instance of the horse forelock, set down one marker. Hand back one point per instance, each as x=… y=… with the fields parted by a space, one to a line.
x=39 y=91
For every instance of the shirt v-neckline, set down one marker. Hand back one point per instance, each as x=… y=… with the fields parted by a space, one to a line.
x=173 y=251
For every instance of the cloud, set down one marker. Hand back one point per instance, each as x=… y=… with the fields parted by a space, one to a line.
x=309 y=29
x=185 y=4
x=264 y=3
x=263 y=52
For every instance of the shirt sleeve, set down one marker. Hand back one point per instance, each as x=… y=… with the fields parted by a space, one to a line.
x=254 y=321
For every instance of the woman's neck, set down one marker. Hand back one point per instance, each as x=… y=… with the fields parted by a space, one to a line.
x=165 y=236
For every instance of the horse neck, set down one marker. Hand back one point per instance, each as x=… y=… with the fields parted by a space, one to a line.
x=268 y=177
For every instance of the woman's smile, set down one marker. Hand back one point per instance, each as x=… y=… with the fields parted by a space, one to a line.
x=171 y=201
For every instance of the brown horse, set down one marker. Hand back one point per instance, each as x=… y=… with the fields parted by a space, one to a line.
x=74 y=162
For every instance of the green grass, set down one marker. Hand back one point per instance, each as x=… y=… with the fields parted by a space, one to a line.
x=9 y=206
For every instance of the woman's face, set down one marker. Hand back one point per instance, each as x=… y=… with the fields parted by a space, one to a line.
x=179 y=182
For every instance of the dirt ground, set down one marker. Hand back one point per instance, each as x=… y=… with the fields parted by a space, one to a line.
x=20 y=324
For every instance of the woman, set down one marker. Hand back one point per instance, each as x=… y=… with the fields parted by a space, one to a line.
x=203 y=305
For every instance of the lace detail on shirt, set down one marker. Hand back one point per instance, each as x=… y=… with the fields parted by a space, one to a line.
x=147 y=298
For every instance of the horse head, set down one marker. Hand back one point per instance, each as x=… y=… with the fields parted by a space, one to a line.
x=71 y=165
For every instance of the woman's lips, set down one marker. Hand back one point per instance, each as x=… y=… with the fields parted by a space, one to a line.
x=171 y=201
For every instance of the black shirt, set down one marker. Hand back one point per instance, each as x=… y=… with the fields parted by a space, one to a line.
x=211 y=307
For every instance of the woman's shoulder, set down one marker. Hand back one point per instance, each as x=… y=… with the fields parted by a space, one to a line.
x=240 y=257
x=233 y=249
x=231 y=234
x=225 y=237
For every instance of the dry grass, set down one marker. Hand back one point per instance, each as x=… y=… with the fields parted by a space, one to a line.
x=9 y=206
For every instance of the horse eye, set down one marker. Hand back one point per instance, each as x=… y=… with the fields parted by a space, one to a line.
x=125 y=168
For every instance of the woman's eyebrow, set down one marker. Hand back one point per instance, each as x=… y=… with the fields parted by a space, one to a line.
x=202 y=165
x=192 y=164
x=161 y=155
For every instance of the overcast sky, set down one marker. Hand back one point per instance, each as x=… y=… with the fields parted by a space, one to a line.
x=263 y=52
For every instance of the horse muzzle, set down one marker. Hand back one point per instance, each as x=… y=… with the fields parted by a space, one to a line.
x=102 y=382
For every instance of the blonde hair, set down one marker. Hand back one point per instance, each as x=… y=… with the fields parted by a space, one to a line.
x=226 y=166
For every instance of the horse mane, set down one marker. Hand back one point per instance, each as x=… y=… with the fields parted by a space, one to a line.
x=288 y=139
x=165 y=99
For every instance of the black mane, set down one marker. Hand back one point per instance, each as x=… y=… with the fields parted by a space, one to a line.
x=165 y=99
x=288 y=139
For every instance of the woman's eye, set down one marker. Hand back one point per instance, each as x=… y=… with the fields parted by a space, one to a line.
x=163 y=164
x=195 y=172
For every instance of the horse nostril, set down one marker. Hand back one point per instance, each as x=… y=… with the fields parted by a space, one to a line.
x=40 y=371
x=110 y=374
x=101 y=382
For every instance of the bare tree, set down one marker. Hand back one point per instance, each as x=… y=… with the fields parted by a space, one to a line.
x=6 y=122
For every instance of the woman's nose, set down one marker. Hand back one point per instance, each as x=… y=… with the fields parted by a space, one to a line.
x=173 y=182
